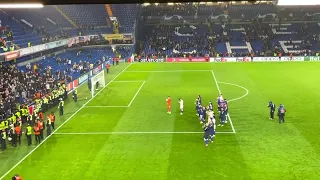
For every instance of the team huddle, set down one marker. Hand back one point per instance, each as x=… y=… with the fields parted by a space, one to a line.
x=206 y=115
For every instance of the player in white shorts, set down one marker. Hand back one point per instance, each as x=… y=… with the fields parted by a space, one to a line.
x=181 y=106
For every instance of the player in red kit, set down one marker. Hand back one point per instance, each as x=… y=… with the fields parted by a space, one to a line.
x=169 y=104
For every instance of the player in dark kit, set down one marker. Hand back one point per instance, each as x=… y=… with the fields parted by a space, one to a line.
x=222 y=116
x=226 y=109
x=281 y=113
x=204 y=112
x=206 y=134
x=199 y=99
x=201 y=115
x=272 y=107
x=197 y=107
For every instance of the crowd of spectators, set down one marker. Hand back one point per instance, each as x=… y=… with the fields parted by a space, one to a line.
x=18 y=87
x=161 y=9
x=162 y=37
x=72 y=67
x=47 y=37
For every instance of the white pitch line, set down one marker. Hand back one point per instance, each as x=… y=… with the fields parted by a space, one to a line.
x=247 y=91
x=170 y=71
x=106 y=106
x=145 y=132
x=25 y=157
x=126 y=81
x=214 y=77
x=134 y=97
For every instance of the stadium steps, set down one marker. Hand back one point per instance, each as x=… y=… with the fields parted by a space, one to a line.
x=65 y=16
x=109 y=11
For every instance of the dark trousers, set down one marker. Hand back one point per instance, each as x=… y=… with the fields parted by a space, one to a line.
x=19 y=139
x=107 y=70
x=75 y=98
x=272 y=115
x=113 y=63
x=41 y=134
x=61 y=110
x=29 y=140
x=117 y=62
x=281 y=118
x=3 y=144
x=48 y=130
x=14 y=140
x=24 y=119
x=52 y=125
x=38 y=139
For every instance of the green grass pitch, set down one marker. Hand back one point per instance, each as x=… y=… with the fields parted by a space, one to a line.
x=124 y=132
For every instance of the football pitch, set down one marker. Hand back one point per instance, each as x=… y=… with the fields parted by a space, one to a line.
x=124 y=132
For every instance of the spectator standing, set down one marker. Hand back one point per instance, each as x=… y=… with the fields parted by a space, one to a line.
x=48 y=124
x=3 y=137
x=28 y=134
x=18 y=133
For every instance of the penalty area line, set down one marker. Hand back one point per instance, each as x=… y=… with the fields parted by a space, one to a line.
x=134 y=97
x=126 y=81
x=145 y=132
x=106 y=106
x=169 y=71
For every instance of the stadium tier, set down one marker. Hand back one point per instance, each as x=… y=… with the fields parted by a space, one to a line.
x=236 y=30
x=69 y=61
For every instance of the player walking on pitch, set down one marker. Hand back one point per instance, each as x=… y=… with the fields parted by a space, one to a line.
x=169 y=104
x=181 y=106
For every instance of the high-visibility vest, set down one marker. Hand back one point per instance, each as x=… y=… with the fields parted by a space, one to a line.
x=18 y=114
x=14 y=118
x=4 y=135
x=2 y=125
x=29 y=130
x=18 y=130
x=61 y=103
x=40 y=125
x=49 y=121
x=36 y=130
x=52 y=118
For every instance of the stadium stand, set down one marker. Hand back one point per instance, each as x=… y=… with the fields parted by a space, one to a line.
x=49 y=24
x=227 y=30
x=163 y=31
x=34 y=77
x=21 y=35
x=126 y=14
